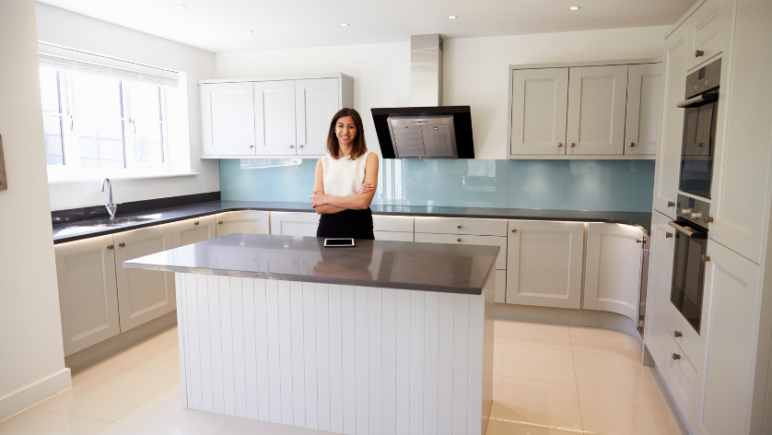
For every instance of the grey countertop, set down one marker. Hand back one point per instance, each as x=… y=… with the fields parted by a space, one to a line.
x=70 y=231
x=372 y=263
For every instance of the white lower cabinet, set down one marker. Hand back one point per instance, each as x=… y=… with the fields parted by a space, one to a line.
x=88 y=296
x=248 y=221
x=612 y=279
x=681 y=377
x=661 y=249
x=294 y=224
x=143 y=295
x=460 y=239
x=544 y=263
x=193 y=231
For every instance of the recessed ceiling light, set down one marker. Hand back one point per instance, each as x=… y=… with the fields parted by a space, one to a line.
x=452 y=17
x=249 y=32
x=345 y=24
x=575 y=8
x=181 y=7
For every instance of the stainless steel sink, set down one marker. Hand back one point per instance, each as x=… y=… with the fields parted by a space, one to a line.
x=114 y=222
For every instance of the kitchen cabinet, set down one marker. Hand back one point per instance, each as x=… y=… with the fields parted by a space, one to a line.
x=193 y=230
x=644 y=106
x=612 y=279
x=294 y=224
x=538 y=113
x=596 y=110
x=681 y=377
x=88 y=295
x=143 y=295
x=247 y=221
x=273 y=116
x=662 y=246
x=544 y=263
x=707 y=32
x=466 y=226
x=668 y=166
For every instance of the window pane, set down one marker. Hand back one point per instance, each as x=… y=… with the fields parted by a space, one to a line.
x=98 y=125
x=49 y=91
x=145 y=135
x=52 y=129
x=147 y=146
x=52 y=121
x=145 y=101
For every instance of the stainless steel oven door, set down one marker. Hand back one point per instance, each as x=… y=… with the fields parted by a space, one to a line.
x=689 y=271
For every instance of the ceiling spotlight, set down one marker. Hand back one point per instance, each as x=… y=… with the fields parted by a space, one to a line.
x=452 y=17
x=249 y=32
x=345 y=25
x=575 y=8
x=181 y=7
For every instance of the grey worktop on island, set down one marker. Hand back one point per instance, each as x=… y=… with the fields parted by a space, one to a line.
x=371 y=263
x=70 y=231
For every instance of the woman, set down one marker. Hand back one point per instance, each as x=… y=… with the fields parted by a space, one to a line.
x=346 y=180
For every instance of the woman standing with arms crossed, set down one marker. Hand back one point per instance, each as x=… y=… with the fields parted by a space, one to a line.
x=346 y=180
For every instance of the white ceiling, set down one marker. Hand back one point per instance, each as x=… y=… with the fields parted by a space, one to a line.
x=220 y=25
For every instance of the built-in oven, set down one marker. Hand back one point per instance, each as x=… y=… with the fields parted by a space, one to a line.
x=691 y=244
x=697 y=150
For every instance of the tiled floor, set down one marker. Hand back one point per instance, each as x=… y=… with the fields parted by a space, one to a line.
x=548 y=380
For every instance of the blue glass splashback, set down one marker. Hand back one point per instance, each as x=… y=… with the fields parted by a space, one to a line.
x=599 y=185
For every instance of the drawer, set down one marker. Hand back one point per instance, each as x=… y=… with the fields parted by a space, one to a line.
x=479 y=227
x=393 y=223
x=680 y=377
x=501 y=260
x=501 y=286
x=707 y=32
x=689 y=340
x=398 y=236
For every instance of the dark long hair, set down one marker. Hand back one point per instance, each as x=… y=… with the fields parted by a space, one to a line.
x=358 y=146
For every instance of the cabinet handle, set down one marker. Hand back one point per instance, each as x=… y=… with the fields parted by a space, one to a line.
x=195 y=223
x=292 y=146
x=704 y=258
x=677 y=334
x=709 y=219
x=670 y=204
x=560 y=145
x=668 y=235
x=638 y=240
x=220 y=222
x=676 y=356
x=699 y=53
x=459 y=227
x=251 y=146
x=122 y=245
x=458 y=240
x=300 y=146
x=573 y=144
x=514 y=230
x=701 y=144
x=632 y=144
x=110 y=246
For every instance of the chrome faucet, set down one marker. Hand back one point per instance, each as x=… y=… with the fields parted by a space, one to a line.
x=111 y=208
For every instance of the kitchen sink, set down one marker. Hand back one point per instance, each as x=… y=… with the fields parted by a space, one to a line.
x=114 y=222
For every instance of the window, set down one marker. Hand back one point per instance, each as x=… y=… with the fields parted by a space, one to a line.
x=97 y=122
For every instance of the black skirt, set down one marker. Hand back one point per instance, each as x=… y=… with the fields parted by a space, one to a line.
x=357 y=224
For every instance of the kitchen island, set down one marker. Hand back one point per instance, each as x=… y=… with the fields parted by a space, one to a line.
x=385 y=337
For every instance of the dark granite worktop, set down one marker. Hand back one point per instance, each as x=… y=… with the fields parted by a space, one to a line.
x=372 y=263
x=76 y=230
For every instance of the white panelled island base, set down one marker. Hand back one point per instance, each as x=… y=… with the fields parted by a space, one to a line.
x=352 y=359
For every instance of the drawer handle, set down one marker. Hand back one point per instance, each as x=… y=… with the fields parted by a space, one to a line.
x=573 y=144
x=251 y=146
x=699 y=53
x=514 y=230
x=670 y=204
x=632 y=144
x=110 y=246
x=705 y=258
x=458 y=240
x=560 y=145
x=220 y=222
x=638 y=240
x=676 y=356
x=122 y=245
x=668 y=235
x=459 y=227
x=195 y=223
x=677 y=334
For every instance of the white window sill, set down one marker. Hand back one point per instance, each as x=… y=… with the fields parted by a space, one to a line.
x=78 y=178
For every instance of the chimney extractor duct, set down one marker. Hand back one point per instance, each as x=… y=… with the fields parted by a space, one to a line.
x=427 y=129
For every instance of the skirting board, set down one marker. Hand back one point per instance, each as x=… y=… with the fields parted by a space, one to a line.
x=567 y=316
x=34 y=393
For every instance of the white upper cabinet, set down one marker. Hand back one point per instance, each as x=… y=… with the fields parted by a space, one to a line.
x=539 y=105
x=596 y=110
x=227 y=119
x=661 y=250
x=544 y=263
x=668 y=166
x=612 y=279
x=707 y=32
x=276 y=117
x=316 y=102
x=247 y=221
x=644 y=105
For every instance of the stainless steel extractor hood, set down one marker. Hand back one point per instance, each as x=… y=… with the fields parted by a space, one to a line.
x=427 y=129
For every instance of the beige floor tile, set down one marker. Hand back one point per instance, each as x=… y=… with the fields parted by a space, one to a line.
x=539 y=403
x=119 y=429
x=538 y=363
x=607 y=412
x=243 y=426
x=498 y=356
x=158 y=354
x=536 y=334
x=107 y=393
x=604 y=339
x=605 y=369
x=40 y=422
x=496 y=427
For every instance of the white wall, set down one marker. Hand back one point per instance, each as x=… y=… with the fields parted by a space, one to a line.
x=475 y=70
x=31 y=352
x=68 y=29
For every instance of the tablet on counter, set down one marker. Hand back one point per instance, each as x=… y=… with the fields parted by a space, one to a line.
x=338 y=243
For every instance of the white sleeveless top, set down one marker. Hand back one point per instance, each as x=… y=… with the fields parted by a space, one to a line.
x=343 y=177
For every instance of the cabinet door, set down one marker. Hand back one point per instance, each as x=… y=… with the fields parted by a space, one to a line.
x=227 y=119
x=731 y=298
x=88 y=295
x=275 y=117
x=644 y=105
x=596 y=110
x=294 y=224
x=668 y=166
x=252 y=222
x=539 y=104
x=143 y=295
x=544 y=263
x=193 y=230
x=612 y=280
x=316 y=102
x=661 y=249
x=706 y=33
